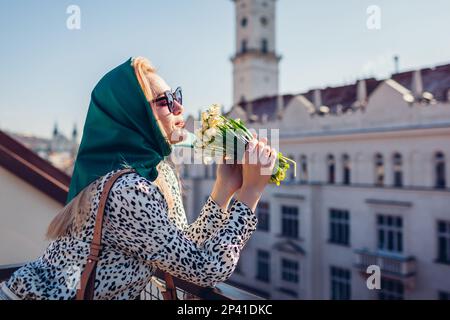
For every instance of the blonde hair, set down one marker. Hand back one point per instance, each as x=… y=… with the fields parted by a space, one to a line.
x=74 y=215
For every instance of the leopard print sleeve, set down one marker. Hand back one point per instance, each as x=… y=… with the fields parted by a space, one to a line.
x=138 y=220
x=211 y=216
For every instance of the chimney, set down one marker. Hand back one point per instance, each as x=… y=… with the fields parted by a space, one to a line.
x=396 y=64
x=361 y=93
x=417 y=85
x=317 y=100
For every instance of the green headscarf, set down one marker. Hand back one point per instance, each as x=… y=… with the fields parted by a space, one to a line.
x=120 y=129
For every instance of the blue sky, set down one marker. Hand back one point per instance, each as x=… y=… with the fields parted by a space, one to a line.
x=47 y=72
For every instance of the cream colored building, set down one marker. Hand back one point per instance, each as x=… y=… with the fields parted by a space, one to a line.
x=32 y=192
x=372 y=188
x=372 y=184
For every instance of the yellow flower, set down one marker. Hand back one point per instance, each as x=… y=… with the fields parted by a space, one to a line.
x=214 y=110
x=211 y=132
x=204 y=116
x=214 y=122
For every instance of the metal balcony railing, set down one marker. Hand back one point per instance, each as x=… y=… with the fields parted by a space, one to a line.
x=185 y=290
x=392 y=266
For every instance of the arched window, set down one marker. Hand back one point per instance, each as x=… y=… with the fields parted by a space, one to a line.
x=244 y=46
x=304 y=168
x=244 y=22
x=439 y=170
x=264 y=46
x=379 y=169
x=398 y=172
x=346 y=169
x=331 y=168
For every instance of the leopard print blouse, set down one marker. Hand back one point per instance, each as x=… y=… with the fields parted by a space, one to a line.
x=140 y=234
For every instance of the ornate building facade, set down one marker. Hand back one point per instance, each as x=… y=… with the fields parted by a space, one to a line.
x=372 y=185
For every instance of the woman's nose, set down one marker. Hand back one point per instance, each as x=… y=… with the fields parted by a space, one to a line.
x=178 y=108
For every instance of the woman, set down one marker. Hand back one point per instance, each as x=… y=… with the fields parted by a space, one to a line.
x=133 y=119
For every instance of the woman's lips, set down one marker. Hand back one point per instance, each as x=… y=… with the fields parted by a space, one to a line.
x=180 y=124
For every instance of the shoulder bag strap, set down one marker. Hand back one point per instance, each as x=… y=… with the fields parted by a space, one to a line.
x=87 y=282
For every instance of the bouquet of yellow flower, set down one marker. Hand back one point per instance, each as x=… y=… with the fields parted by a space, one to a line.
x=222 y=136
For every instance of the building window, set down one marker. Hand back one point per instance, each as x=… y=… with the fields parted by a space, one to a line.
x=443 y=295
x=379 y=169
x=443 y=241
x=346 y=169
x=340 y=285
x=264 y=46
x=398 y=172
x=263 y=216
x=304 y=168
x=289 y=270
x=391 y=290
x=244 y=46
x=439 y=168
x=331 y=168
x=290 y=223
x=263 y=265
x=244 y=22
x=390 y=233
x=340 y=227
x=264 y=21
x=289 y=292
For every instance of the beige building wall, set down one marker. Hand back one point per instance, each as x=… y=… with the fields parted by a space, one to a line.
x=25 y=213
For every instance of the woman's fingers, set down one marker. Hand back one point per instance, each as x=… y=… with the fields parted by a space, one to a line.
x=251 y=149
x=259 y=152
x=265 y=155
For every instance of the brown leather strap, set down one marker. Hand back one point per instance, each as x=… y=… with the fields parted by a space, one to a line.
x=87 y=282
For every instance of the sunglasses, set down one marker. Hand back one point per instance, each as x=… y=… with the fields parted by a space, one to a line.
x=169 y=98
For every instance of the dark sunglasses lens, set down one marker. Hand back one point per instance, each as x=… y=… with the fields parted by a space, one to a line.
x=170 y=102
x=179 y=96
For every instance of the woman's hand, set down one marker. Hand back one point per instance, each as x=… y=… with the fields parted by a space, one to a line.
x=259 y=161
x=229 y=180
x=230 y=176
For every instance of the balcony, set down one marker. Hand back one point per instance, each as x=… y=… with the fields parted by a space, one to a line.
x=397 y=267
x=185 y=289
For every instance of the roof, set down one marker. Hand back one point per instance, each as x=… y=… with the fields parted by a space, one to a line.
x=342 y=98
x=435 y=80
x=28 y=166
x=267 y=105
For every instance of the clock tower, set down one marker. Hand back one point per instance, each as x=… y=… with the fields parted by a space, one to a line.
x=255 y=63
